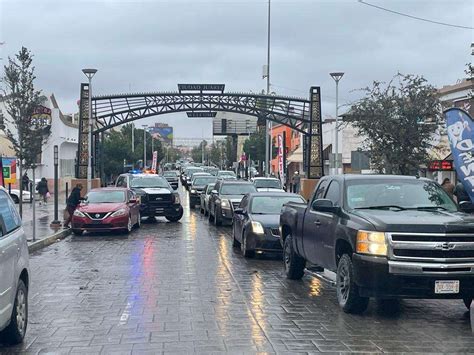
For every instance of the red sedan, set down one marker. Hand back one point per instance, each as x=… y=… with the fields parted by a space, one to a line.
x=107 y=209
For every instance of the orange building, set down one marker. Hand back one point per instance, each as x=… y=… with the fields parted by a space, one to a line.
x=292 y=142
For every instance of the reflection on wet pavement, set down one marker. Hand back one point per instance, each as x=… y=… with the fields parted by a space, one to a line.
x=182 y=288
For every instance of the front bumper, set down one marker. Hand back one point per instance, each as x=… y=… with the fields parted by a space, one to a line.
x=264 y=242
x=173 y=210
x=379 y=277
x=107 y=224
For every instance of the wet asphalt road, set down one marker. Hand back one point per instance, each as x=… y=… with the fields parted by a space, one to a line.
x=181 y=288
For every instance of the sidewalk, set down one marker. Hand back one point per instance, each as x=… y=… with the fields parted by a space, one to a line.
x=44 y=217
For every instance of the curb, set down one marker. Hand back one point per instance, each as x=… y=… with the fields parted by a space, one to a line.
x=42 y=243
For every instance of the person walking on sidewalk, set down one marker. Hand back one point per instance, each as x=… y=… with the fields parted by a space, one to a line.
x=25 y=181
x=43 y=190
x=72 y=202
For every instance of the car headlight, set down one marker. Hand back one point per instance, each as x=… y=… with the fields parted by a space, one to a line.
x=177 y=199
x=371 y=243
x=225 y=204
x=118 y=213
x=193 y=191
x=78 y=213
x=257 y=228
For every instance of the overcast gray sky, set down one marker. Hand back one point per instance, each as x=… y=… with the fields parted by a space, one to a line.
x=152 y=45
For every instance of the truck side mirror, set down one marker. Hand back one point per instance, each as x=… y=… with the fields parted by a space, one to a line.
x=324 y=205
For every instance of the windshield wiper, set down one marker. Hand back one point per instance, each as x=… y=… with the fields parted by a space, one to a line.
x=428 y=208
x=382 y=207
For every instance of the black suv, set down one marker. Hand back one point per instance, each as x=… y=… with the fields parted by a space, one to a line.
x=226 y=197
x=157 y=197
x=197 y=187
x=172 y=177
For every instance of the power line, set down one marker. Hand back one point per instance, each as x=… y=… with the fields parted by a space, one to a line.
x=415 y=17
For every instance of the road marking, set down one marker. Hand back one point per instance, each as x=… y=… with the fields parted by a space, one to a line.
x=126 y=314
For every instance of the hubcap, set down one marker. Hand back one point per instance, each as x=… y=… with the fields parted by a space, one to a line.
x=21 y=311
x=129 y=226
x=343 y=282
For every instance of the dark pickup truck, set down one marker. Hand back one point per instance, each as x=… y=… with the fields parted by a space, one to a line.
x=385 y=236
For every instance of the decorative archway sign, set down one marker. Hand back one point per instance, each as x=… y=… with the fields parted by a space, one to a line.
x=201 y=100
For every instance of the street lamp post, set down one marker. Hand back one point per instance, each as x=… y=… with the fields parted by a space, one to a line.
x=90 y=74
x=144 y=145
x=56 y=222
x=133 y=138
x=337 y=76
x=266 y=74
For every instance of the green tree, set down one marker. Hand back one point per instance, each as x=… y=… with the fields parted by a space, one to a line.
x=117 y=149
x=398 y=121
x=27 y=134
x=196 y=152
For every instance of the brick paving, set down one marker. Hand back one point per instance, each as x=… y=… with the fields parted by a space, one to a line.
x=181 y=288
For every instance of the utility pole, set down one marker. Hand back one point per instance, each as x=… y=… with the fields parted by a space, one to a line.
x=337 y=76
x=144 y=145
x=267 y=75
x=133 y=137
x=89 y=73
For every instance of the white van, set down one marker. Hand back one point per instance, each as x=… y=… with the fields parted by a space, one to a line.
x=14 y=279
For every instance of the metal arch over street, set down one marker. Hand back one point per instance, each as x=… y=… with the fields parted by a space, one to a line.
x=115 y=110
x=302 y=115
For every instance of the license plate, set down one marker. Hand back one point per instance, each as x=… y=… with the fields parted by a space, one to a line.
x=159 y=210
x=447 y=286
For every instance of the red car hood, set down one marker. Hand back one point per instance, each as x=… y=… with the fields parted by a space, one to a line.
x=101 y=207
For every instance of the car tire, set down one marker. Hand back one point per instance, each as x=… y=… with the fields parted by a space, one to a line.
x=246 y=253
x=77 y=232
x=14 y=333
x=346 y=289
x=294 y=264
x=211 y=218
x=15 y=199
x=129 y=227
x=217 y=220
x=467 y=302
x=235 y=242
x=175 y=218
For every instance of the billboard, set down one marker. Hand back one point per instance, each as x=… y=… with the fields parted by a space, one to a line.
x=164 y=134
x=9 y=170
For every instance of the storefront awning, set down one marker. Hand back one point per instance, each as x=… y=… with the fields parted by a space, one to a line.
x=297 y=155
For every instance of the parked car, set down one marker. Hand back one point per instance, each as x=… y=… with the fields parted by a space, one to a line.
x=205 y=199
x=107 y=209
x=172 y=177
x=197 y=187
x=156 y=196
x=15 y=276
x=385 y=236
x=225 y=197
x=15 y=195
x=269 y=184
x=257 y=220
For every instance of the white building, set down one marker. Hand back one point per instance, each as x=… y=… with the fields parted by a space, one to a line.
x=64 y=134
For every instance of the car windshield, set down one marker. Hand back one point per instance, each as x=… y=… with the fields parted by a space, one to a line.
x=170 y=174
x=105 y=197
x=237 y=189
x=189 y=171
x=204 y=180
x=397 y=194
x=268 y=183
x=271 y=204
x=149 y=181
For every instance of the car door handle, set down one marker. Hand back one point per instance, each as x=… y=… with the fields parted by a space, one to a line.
x=318 y=222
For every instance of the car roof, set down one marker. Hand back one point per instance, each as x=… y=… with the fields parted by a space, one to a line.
x=266 y=178
x=378 y=177
x=235 y=182
x=110 y=189
x=274 y=194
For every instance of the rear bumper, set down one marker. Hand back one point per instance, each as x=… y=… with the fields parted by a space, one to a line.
x=378 y=277
x=195 y=199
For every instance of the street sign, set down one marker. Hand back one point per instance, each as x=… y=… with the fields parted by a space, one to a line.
x=201 y=87
x=201 y=114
